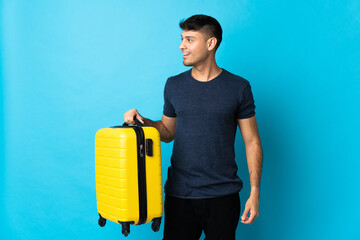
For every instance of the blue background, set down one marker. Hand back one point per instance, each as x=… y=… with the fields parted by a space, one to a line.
x=69 y=68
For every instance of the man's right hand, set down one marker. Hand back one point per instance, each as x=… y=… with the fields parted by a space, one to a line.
x=131 y=115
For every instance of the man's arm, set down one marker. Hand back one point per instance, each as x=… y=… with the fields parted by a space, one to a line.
x=166 y=126
x=250 y=134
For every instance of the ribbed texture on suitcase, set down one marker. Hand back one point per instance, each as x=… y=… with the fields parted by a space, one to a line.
x=117 y=175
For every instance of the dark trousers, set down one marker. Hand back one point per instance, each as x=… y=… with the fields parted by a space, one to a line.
x=185 y=219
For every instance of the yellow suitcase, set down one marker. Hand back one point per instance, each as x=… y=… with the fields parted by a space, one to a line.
x=128 y=176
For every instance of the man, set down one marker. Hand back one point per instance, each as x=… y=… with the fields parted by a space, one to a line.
x=202 y=108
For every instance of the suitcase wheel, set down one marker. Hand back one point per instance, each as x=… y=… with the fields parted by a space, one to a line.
x=125 y=229
x=155 y=226
x=102 y=221
x=126 y=232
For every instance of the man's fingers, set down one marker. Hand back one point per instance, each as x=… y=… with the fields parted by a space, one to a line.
x=129 y=120
x=131 y=115
x=244 y=217
x=251 y=219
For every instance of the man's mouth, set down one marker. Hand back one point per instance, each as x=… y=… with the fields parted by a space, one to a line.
x=186 y=54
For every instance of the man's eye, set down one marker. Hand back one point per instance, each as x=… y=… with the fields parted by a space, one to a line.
x=189 y=40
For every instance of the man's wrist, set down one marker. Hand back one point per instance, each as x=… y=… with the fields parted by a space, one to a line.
x=255 y=192
x=147 y=122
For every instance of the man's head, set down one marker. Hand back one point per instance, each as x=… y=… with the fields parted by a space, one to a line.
x=201 y=37
x=207 y=25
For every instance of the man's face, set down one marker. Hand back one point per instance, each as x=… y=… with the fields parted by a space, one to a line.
x=194 y=48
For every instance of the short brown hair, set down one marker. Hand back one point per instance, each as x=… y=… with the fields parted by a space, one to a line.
x=202 y=23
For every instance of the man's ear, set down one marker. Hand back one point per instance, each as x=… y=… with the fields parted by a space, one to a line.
x=211 y=43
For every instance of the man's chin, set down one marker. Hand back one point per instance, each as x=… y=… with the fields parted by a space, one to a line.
x=187 y=64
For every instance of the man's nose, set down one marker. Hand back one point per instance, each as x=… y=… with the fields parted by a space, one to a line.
x=182 y=46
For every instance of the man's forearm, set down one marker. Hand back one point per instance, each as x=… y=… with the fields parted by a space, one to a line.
x=254 y=161
x=165 y=135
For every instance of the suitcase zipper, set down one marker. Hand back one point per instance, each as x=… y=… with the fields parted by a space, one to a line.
x=140 y=139
x=141 y=150
x=141 y=175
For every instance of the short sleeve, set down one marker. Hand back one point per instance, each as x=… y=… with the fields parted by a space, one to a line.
x=169 y=110
x=246 y=107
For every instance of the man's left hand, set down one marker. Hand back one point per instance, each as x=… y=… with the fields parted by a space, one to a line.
x=252 y=207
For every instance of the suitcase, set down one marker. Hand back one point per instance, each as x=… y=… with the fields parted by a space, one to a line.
x=128 y=176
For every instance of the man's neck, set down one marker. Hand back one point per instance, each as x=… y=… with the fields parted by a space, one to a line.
x=206 y=72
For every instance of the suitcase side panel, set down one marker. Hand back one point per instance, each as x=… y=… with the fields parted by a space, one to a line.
x=116 y=174
x=153 y=175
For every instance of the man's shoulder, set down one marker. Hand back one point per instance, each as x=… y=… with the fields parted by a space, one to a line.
x=180 y=75
x=177 y=81
x=235 y=82
x=235 y=78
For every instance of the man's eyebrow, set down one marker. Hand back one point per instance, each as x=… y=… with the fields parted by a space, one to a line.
x=187 y=36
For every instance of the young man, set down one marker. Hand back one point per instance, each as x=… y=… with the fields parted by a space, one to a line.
x=202 y=109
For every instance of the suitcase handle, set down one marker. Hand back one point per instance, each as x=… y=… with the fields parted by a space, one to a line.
x=137 y=123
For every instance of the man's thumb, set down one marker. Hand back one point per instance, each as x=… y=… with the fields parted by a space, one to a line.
x=245 y=214
x=141 y=119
